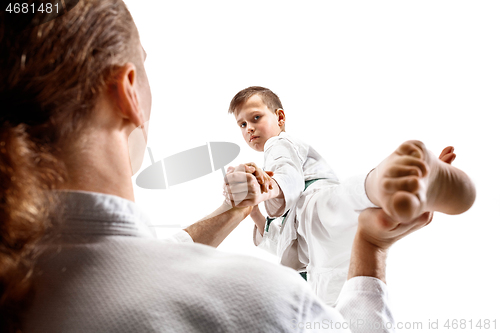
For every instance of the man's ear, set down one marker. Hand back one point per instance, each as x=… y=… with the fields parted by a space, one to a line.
x=125 y=94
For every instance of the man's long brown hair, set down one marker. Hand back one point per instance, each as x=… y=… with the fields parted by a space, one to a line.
x=51 y=75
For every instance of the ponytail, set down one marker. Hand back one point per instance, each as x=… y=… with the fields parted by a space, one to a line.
x=27 y=171
x=51 y=78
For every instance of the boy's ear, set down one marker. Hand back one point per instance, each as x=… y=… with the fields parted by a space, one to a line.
x=125 y=94
x=281 y=117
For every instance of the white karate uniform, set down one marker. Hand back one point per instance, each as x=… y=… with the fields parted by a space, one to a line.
x=104 y=271
x=318 y=232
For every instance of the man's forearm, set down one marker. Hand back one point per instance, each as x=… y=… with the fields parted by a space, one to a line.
x=214 y=228
x=367 y=259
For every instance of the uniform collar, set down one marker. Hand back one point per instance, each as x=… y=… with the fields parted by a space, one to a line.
x=99 y=214
x=270 y=141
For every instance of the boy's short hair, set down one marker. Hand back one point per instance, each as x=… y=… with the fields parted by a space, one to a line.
x=268 y=97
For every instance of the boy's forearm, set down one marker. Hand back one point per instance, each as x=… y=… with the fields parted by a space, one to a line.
x=367 y=259
x=259 y=220
x=214 y=228
x=276 y=193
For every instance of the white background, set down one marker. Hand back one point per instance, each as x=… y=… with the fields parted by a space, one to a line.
x=356 y=78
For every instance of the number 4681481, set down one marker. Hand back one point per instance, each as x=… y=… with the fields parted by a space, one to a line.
x=25 y=8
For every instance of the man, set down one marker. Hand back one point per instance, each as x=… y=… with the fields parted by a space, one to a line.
x=106 y=272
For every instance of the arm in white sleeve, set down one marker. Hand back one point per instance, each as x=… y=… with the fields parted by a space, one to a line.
x=353 y=190
x=284 y=160
x=180 y=237
x=364 y=303
x=268 y=241
x=362 y=307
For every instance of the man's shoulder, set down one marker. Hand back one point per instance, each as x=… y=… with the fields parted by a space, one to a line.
x=214 y=261
x=243 y=281
x=239 y=266
x=179 y=282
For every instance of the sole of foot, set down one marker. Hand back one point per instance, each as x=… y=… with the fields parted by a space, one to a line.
x=412 y=180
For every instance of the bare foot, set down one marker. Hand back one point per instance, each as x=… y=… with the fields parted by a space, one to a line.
x=412 y=181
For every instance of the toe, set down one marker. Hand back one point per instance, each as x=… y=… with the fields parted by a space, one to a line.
x=413 y=148
x=404 y=170
x=411 y=161
x=407 y=184
x=405 y=206
x=446 y=151
x=448 y=158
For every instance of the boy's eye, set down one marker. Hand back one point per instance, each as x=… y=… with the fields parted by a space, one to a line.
x=242 y=125
x=256 y=117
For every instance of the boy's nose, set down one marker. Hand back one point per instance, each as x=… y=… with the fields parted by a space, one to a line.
x=250 y=129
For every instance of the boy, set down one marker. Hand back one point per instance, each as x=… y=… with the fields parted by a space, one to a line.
x=313 y=215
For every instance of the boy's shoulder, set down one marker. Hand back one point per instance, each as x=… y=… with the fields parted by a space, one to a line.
x=285 y=145
x=286 y=139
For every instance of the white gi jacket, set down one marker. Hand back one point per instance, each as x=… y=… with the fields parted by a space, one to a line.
x=104 y=271
x=319 y=229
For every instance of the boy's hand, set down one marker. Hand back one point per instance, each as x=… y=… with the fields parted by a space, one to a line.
x=263 y=177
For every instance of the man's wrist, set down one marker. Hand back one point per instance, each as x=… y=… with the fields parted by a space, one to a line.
x=245 y=211
x=367 y=258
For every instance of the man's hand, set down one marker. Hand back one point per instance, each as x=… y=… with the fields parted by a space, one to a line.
x=376 y=233
x=242 y=185
x=247 y=185
x=381 y=231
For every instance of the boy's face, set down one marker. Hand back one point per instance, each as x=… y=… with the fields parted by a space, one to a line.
x=257 y=122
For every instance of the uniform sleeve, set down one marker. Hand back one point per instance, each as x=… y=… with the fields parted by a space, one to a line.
x=353 y=188
x=364 y=304
x=362 y=307
x=268 y=241
x=180 y=237
x=283 y=158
